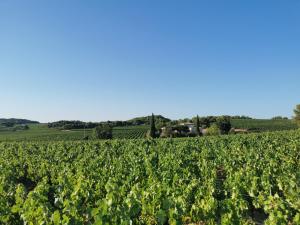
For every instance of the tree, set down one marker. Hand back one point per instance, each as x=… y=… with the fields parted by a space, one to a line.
x=297 y=115
x=8 y=124
x=206 y=122
x=152 y=132
x=224 y=124
x=279 y=118
x=180 y=131
x=198 y=126
x=213 y=130
x=102 y=132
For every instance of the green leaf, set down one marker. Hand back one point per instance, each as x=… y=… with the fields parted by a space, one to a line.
x=56 y=217
x=161 y=217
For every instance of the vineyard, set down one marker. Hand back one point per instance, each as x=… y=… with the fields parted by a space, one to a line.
x=258 y=125
x=250 y=179
x=40 y=132
x=132 y=132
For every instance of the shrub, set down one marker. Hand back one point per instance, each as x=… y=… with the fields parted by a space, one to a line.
x=102 y=132
x=223 y=123
x=213 y=130
x=297 y=115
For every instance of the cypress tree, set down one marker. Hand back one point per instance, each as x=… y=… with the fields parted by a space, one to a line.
x=152 y=127
x=198 y=126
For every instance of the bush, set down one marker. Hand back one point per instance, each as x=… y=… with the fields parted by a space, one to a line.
x=8 y=124
x=102 y=132
x=297 y=115
x=149 y=134
x=193 y=135
x=86 y=138
x=223 y=123
x=213 y=130
x=279 y=118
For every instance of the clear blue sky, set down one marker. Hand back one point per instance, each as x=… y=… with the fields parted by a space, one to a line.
x=108 y=60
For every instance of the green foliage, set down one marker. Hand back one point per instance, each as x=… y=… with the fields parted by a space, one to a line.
x=198 y=126
x=146 y=120
x=213 y=130
x=240 y=179
x=41 y=132
x=8 y=124
x=259 y=125
x=130 y=132
x=205 y=122
x=224 y=124
x=76 y=124
x=20 y=127
x=102 y=132
x=244 y=122
x=152 y=131
x=279 y=118
x=180 y=131
x=71 y=124
x=297 y=115
x=241 y=117
x=13 y=121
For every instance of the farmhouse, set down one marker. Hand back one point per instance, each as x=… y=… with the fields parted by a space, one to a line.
x=181 y=129
x=191 y=126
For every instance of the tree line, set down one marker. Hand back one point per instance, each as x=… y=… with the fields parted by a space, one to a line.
x=164 y=127
x=76 y=124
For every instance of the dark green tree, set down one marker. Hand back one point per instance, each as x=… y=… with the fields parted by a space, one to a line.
x=297 y=115
x=198 y=132
x=102 y=132
x=152 y=132
x=224 y=124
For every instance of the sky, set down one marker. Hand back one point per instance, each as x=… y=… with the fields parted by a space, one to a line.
x=115 y=60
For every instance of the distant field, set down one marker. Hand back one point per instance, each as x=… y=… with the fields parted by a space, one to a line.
x=263 y=124
x=43 y=133
x=130 y=132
